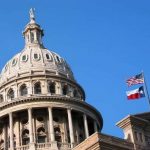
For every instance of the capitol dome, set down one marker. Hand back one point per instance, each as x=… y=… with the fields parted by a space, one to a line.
x=42 y=106
x=35 y=58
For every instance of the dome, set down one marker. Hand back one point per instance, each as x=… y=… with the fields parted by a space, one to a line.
x=35 y=58
x=37 y=71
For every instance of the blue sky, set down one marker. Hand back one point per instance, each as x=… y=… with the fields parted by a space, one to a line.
x=104 y=41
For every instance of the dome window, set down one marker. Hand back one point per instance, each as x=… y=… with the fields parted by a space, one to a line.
x=10 y=94
x=36 y=57
x=37 y=88
x=58 y=59
x=23 y=90
x=6 y=67
x=14 y=62
x=48 y=57
x=24 y=58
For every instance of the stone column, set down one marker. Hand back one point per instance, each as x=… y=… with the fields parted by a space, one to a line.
x=86 y=126
x=51 y=127
x=30 y=125
x=17 y=133
x=11 y=131
x=5 y=136
x=51 y=130
x=70 y=127
x=95 y=126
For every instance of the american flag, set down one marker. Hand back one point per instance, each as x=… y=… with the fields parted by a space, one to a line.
x=138 y=79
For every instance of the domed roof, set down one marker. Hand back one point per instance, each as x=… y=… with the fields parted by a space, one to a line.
x=35 y=58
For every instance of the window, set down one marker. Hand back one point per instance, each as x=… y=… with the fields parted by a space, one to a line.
x=23 y=90
x=24 y=58
x=36 y=56
x=24 y=121
x=57 y=134
x=40 y=118
x=1 y=98
x=25 y=137
x=10 y=94
x=14 y=62
x=48 y=56
x=6 y=67
x=41 y=135
x=75 y=94
x=32 y=37
x=37 y=88
x=58 y=59
x=65 y=90
x=52 y=88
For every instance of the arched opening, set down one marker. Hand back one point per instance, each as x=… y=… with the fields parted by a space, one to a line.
x=52 y=88
x=10 y=94
x=1 y=98
x=23 y=90
x=41 y=136
x=25 y=137
x=32 y=37
x=65 y=90
x=57 y=134
x=37 y=88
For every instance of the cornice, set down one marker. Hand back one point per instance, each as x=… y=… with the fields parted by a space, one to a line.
x=61 y=99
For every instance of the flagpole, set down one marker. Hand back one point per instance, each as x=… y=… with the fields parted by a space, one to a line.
x=146 y=90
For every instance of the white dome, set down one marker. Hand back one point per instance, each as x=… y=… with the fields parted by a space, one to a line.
x=35 y=60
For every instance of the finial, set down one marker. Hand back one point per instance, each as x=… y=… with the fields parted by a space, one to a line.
x=32 y=14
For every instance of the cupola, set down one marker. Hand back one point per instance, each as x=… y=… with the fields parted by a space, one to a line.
x=33 y=32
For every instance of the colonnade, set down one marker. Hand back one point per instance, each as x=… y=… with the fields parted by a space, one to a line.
x=50 y=126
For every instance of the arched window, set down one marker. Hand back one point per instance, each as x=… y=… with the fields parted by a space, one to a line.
x=10 y=94
x=37 y=88
x=41 y=135
x=25 y=137
x=65 y=90
x=75 y=93
x=23 y=90
x=32 y=37
x=58 y=59
x=57 y=134
x=1 y=98
x=52 y=88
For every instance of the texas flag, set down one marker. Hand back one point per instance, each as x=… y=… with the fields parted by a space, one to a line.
x=136 y=94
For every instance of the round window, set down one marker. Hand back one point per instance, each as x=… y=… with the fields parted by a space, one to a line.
x=24 y=58
x=58 y=59
x=24 y=121
x=6 y=67
x=14 y=62
x=48 y=57
x=41 y=119
x=36 y=56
